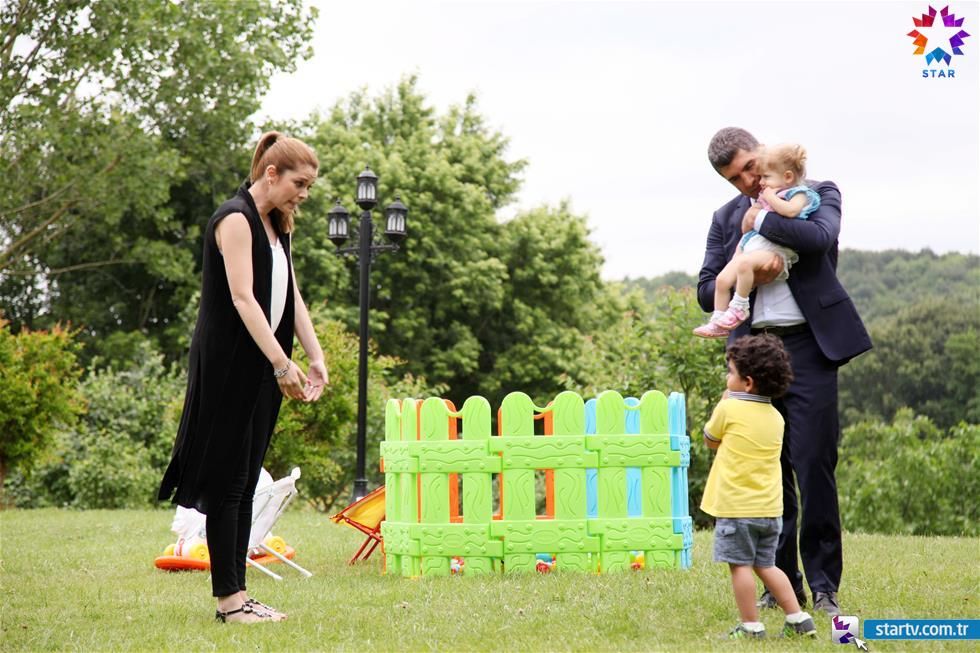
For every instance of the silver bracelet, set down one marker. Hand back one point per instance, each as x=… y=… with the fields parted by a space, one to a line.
x=281 y=373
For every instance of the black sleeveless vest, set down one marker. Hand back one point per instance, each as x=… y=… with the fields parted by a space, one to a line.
x=226 y=369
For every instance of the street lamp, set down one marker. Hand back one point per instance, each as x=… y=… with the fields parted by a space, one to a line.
x=338 y=223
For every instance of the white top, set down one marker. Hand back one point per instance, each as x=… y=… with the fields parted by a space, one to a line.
x=774 y=302
x=280 y=284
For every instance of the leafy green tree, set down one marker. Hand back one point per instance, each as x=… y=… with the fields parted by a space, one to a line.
x=429 y=300
x=883 y=283
x=468 y=303
x=926 y=357
x=650 y=347
x=553 y=299
x=122 y=125
x=38 y=394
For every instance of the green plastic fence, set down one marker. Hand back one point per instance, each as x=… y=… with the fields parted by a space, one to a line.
x=419 y=538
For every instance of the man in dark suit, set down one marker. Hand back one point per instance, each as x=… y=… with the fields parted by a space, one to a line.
x=820 y=328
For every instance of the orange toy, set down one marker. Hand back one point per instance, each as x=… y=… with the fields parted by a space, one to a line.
x=271 y=498
x=170 y=562
x=365 y=515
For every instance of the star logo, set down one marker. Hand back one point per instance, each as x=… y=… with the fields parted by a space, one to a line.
x=844 y=629
x=941 y=39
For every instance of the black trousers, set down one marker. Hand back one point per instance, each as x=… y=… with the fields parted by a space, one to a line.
x=809 y=460
x=229 y=525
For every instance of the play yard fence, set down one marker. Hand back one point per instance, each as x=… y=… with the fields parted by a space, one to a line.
x=616 y=476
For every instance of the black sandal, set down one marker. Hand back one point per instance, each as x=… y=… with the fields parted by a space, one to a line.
x=262 y=609
x=245 y=609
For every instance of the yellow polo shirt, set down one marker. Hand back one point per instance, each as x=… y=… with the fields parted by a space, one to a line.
x=745 y=478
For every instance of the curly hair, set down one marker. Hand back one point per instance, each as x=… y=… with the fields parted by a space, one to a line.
x=764 y=358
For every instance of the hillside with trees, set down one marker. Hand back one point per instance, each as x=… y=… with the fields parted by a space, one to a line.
x=923 y=312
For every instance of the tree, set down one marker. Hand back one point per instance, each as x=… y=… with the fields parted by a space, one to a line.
x=552 y=300
x=37 y=392
x=882 y=283
x=122 y=124
x=926 y=357
x=650 y=347
x=429 y=300
x=470 y=303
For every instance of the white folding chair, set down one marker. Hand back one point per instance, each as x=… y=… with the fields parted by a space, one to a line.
x=270 y=502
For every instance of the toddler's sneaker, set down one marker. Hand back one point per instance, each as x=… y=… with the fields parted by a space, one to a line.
x=803 y=629
x=732 y=318
x=710 y=330
x=741 y=632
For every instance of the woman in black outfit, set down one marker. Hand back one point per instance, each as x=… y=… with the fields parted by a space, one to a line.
x=240 y=365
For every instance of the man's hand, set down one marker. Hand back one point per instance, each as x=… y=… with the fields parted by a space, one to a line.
x=770 y=270
x=748 y=222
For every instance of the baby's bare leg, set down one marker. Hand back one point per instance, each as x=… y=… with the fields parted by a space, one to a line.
x=746 y=265
x=724 y=283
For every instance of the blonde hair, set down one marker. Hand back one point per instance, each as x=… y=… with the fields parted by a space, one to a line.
x=787 y=156
x=285 y=153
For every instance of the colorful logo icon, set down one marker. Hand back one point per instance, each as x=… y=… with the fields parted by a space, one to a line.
x=844 y=630
x=944 y=42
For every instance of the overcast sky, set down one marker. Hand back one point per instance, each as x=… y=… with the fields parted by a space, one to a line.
x=613 y=104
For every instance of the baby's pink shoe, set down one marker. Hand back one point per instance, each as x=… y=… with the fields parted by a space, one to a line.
x=732 y=318
x=710 y=330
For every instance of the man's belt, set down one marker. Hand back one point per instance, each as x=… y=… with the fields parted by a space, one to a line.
x=782 y=331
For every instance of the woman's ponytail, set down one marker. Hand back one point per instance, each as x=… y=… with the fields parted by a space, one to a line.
x=266 y=141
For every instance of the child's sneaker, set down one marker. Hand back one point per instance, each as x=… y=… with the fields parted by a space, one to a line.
x=710 y=330
x=741 y=632
x=803 y=629
x=732 y=318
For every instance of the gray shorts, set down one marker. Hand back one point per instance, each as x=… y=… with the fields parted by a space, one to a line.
x=747 y=540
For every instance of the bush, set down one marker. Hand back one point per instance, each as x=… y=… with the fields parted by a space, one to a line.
x=115 y=455
x=38 y=394
x=909 y=477
x=112 y=471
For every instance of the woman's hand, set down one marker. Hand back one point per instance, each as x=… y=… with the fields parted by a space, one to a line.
x=293 y=383
x=319 y=377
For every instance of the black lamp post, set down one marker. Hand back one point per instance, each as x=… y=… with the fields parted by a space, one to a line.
x=338 y=221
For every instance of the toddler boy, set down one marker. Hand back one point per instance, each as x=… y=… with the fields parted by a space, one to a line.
x=744 y=491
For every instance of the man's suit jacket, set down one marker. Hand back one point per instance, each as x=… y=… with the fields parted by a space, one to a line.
x=828 y=309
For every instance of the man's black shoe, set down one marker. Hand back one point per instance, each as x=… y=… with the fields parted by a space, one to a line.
x=767 y=601
x=826 y=602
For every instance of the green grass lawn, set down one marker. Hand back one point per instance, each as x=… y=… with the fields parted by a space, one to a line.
x=85 y=581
